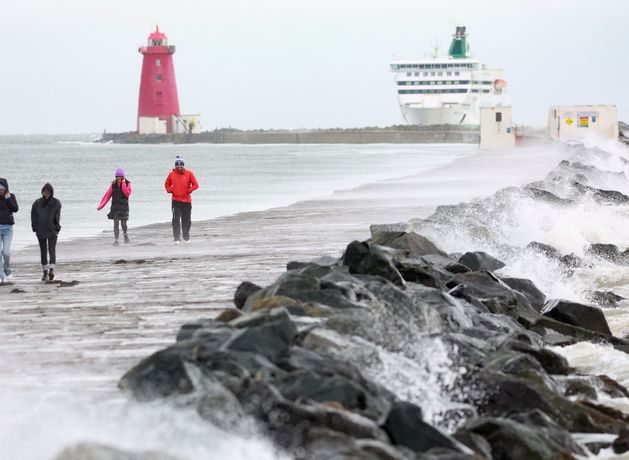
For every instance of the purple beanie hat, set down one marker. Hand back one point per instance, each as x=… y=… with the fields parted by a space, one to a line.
x=120 y=172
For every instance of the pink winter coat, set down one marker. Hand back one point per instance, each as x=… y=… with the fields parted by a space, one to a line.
x=126 y=189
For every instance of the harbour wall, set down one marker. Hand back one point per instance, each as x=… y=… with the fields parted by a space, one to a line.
x=344 y=136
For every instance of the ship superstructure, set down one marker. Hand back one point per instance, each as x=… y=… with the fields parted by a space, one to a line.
x=449 y=89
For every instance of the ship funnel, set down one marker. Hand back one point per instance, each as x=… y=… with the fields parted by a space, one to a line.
x=458 y=47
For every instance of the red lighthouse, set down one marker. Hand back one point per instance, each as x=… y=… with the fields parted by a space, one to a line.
x=158 y=105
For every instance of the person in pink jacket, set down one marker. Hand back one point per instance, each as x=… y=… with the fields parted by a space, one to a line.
x=180 y=183
x=119 y=192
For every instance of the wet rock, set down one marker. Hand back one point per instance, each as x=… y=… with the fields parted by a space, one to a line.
x=571 y=261
x=227 y=315
x=370 y=260
x=602 y=196
x=405 y=427
x=270 y=303
x=606 y=251
x=95 y=451
x=584 y=316
x=606 y=299
x=490 y=291
x=546 y=196
x=269 y=335
x=621 y=443
x=289 y=422
x=399 y=227
x=544 y=249
x=17 y=291
x=528 y=288
x=160 y=375
x=322 y=443
x=445 y=264
x=243 y=291
x=480 y=261
x=188 y=329
x=520 y=439
x=413 y=243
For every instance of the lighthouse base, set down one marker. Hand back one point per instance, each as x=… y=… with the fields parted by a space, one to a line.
x=176 y=124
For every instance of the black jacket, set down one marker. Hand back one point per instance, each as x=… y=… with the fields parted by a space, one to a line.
x=45 y=217
x=7 y=207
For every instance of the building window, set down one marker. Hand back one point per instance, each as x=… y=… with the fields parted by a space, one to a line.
x=498 y=116
x=449 y=74
x=408 y=74
x=417 y=74
x=440 y=74
x=457 y=73
x=158 y=76
x=593 y=118
x=158 y=62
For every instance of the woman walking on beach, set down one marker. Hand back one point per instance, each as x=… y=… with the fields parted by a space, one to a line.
x=119 y=192
x=45 y=216
x=8 y=205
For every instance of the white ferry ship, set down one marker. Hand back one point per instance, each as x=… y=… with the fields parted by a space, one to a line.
x=448 y=89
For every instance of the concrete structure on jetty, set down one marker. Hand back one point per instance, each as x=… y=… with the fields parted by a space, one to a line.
x=400 y=134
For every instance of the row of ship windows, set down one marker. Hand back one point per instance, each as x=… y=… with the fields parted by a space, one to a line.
x=444 y=82
x=433 y=66
x=432 y=74
x=440 y=91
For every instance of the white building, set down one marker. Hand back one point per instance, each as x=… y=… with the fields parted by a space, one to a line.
x=182 y=124
x=496 y=128
x=579 y=121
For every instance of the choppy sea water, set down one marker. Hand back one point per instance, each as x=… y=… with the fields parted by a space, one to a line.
x=233 y=178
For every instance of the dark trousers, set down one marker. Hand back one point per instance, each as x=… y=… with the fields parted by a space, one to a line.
x=181 y=220
x=117 y=224
x=46 y=246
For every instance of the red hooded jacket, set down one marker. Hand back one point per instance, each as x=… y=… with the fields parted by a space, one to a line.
x=181 y=185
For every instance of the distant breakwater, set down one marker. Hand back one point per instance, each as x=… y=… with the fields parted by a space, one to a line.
x=390 y=135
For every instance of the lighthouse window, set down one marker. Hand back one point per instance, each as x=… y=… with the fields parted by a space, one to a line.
x=158 y=62
x=158 y=76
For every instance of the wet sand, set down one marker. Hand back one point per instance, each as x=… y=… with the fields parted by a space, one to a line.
x=130 y=300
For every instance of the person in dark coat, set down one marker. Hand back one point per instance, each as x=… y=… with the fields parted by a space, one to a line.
x=8 y=205
x=45 y=217
x=119 y=191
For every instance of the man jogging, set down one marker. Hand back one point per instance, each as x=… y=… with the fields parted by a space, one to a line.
x=181 y=183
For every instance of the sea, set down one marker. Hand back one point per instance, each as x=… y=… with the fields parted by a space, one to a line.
x=240 y=178
x=232 y=178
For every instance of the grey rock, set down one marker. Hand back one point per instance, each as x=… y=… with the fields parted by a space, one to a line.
x=479 y=261
x=585 y=316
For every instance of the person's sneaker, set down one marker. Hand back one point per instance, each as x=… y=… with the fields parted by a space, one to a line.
x=51 y=274
x=45 y=276
x=126 y=239
x=7 y=278
x=177 y=241
x=116 y=243
x=186 y=241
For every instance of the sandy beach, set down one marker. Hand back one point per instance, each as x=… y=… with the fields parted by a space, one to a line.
x=63 y=338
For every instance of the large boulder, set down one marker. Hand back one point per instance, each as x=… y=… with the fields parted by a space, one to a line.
x=586 y=316
x=528 y=288
x=363 y=259
x=413 y=243
x=405 y=427
x=606 y=251
x=479 y=261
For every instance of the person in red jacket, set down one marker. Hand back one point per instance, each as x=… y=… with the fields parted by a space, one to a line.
x=181 y=183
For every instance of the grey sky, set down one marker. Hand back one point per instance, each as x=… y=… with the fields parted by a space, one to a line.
x=72 y=66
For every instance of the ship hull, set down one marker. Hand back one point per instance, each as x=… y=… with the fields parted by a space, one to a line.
x=459 y=114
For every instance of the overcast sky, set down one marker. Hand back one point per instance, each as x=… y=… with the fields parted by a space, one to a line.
x=72 y=66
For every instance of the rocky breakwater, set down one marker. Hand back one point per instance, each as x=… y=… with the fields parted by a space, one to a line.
x=396 y=350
